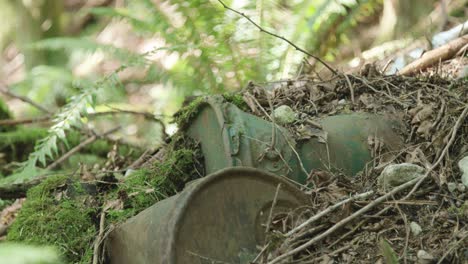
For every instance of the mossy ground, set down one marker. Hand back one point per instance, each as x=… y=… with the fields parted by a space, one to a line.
x=58 y=212
x=147 y=186
x=55 y=214
x=18 y=143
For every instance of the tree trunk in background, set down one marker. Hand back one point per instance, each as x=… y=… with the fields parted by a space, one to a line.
x=400 y=17
x=38 y=20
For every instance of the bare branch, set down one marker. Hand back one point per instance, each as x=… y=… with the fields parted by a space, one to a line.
x=5 y=90
x=280 y=37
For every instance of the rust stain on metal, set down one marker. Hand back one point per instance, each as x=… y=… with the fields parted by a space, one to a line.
x=216 y=217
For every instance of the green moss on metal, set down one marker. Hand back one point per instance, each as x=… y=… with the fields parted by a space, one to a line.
x=55 y=214
x=236 y=99
x=145 y=187
x=186 y=113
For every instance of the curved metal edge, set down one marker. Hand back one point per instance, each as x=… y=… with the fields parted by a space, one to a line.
x=214 y=177
x=216 y=104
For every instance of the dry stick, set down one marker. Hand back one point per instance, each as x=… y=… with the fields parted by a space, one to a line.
x=452 y=248
x=280 y=37
x=79 y=147
x=260 y=254
x=357 y=227
x=99 y=238
x=379 y=200
x=273 y=126
x=138 y=162
x=270 y=216
x=457 y=125
x=346 y=220
x=328 y=210
x=14 y=122
x=4 y=89
x=379 y=92
x=434 y=56
x=407 y=232
x=351 y=90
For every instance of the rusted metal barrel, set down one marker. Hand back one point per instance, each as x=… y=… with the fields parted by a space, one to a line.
x=219 y=217
x=231 y=137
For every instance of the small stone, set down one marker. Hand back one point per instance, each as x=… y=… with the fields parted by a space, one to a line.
x=424 y=257
x=415 y=228
x=128 y=172
x=342 y=102
x=461 y=188
x=397 y=174
x=284 y=115
x=463 y=165
x=451 y=186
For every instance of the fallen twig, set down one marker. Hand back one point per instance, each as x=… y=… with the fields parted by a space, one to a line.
x=328 y=210
x=15 y=122
x=457 y=125
x=5 y=90
x=434 y=56
x=79 y=147
x=415 y=183
x=99 y=238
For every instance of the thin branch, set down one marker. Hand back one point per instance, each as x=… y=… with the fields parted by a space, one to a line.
x=328 y=210
x=15 y=122
x=99 y=238
x=79 y=147
x=457 y=125
x=270 y=216
x=346 y=220
x=5 y=90
x=280 y=37
x=379 y=200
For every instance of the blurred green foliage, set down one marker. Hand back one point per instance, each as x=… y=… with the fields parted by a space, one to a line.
x=13 y=253
x=213 y=51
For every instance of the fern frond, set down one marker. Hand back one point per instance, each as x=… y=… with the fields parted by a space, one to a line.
x=123 y=13
x=87 y=44
x=69 y=116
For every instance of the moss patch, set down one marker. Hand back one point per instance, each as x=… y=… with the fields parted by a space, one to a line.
x=237 y=100
x=145 y=187
x=185 y=114
x=20 y=142
x=54 y=214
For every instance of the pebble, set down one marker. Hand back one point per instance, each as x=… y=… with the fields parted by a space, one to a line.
x=451 y=186
x=284 y=115
x=397 y=174
x=415 y=228
x=463 y=166
x=424 y=257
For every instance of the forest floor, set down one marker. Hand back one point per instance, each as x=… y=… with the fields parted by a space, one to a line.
x=365 y=219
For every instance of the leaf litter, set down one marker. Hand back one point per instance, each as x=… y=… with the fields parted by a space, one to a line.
x=431 y=108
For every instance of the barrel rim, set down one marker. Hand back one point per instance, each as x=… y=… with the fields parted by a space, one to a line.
x=182 y=207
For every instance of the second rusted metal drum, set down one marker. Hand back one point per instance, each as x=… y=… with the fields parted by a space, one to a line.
x=231 y=137
x=220 y=217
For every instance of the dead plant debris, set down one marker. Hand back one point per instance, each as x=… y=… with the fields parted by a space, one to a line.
x=428 y=224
